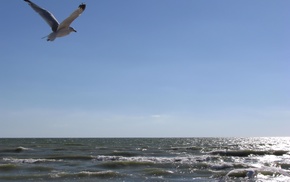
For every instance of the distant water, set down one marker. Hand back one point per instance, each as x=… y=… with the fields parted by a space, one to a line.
x=145 y=159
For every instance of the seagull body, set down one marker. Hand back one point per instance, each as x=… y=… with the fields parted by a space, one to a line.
x=58 y=30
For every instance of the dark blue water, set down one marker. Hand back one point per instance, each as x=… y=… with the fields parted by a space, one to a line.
x=145 y=159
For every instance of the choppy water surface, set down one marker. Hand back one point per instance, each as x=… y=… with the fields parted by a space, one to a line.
x=149 y=159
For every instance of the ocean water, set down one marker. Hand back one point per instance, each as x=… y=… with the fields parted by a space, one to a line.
x=145 y=159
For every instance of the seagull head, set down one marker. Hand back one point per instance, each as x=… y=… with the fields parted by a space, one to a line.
x=72 y=29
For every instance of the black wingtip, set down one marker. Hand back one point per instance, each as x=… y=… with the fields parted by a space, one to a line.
x=82 y=6
x=28 y=1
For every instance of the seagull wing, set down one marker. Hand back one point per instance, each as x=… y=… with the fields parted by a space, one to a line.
x=66 y=23
x=46 y=15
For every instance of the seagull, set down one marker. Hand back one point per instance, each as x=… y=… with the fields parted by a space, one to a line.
x=58 y=30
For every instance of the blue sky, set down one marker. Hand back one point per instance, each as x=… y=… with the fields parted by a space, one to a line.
x=163 y=68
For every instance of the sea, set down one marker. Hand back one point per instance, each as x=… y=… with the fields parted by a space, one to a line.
x=145 y=159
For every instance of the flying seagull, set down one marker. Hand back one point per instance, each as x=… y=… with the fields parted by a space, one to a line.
x=58 y=30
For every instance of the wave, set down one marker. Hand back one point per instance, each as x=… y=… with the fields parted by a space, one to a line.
x=157 y=171
x=84 y=174
x=8 y=167
x=41 y=169
x=15 y=167
x=123 y=153
x=64 y=175
x=74 y=144
x=200 y=162
x=71 y=157
x=14 y=160
x=245 y=153
x=15 y=150
x=148 y=159
x=252 y=173
x=102 y=174
x=186 y=148
x=122 y=164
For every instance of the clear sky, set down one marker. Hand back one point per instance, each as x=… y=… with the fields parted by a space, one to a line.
x=150 y=68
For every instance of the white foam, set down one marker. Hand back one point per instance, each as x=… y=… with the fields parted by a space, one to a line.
x=147 y=159
x=261 y=172
x=13 y=160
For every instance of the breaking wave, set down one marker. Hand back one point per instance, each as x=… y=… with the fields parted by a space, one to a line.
x=14 y=160
x=245 y=153
x=253 y=173
x=15 y=150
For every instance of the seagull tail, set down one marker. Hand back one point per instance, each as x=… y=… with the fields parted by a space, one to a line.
x=44 y=37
